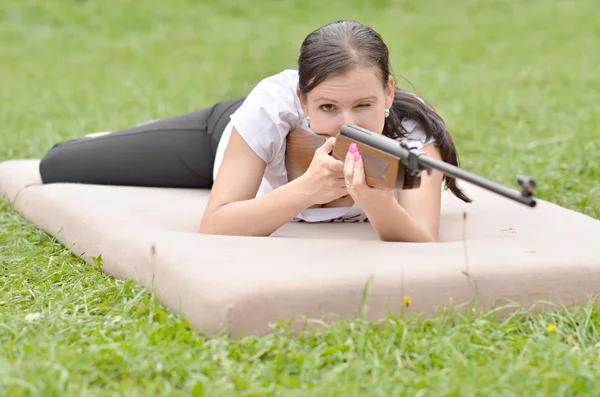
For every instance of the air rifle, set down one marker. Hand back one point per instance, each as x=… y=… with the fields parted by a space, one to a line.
x=391 y=163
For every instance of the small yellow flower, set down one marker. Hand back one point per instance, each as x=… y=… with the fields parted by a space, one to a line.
x=406 y=301
x=551 y=328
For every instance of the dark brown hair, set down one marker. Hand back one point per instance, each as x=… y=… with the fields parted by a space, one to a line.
x=342 y=45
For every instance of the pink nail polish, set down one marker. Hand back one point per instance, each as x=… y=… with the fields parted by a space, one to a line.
x=356 y=157
x=352 y=148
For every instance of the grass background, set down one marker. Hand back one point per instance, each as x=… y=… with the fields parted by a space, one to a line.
x=517 y=83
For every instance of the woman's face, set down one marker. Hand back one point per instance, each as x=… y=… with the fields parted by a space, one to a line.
x=356 y=97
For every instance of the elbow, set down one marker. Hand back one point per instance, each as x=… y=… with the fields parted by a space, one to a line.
x=209 y=229
x=421 y=238
x=212 y=224
x=206 y=226
x=430 y=239
x=204 y=229
x=221 y=228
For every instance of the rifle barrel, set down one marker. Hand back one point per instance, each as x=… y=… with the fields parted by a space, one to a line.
x=459 y=173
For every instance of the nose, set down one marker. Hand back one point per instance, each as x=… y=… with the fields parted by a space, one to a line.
x=348 y=118
x=345 y=118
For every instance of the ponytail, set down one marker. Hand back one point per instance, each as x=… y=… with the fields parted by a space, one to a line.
x=408 y=105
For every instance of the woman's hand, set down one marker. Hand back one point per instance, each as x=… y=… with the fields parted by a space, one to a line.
x=367 y=197
x=323 y=181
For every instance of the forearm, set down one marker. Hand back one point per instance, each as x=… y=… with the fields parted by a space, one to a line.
x=393 y=223
x=259 y=216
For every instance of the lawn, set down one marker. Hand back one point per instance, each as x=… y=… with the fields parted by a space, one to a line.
x=517 y=83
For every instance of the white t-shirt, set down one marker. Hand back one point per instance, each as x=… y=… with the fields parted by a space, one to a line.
x=268 y=114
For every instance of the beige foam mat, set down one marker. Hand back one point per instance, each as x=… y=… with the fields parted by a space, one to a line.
x=504 y=252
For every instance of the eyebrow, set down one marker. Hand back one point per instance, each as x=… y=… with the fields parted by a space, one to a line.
x=358 y=100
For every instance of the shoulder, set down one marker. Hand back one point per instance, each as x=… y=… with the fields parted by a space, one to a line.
x=280 y=88
x=416 y=134
x=269 y=112
x=274 y=97
x=284 y=79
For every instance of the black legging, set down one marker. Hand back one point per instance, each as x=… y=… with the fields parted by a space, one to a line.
x=173 y=152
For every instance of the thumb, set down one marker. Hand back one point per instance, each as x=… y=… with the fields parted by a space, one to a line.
x=327 y=147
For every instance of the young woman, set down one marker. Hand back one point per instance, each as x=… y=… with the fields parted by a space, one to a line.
x=237 y=148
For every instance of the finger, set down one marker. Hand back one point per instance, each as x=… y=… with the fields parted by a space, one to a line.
x=328 y=146
x=358 y=170
x=349 y=167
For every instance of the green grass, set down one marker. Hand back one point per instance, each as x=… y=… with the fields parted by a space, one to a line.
x=517 y=83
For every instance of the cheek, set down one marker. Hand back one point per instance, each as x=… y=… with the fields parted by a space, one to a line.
x=372 y=119
x=324 y=124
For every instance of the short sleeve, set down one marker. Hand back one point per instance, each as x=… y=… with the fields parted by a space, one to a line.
x=416 y=135
x=268 y=114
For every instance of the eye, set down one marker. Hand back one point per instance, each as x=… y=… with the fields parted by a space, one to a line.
x=364 y=105
x=326 y=108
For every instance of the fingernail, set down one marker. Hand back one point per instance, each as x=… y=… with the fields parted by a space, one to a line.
x=356 y=156
x=352 y=148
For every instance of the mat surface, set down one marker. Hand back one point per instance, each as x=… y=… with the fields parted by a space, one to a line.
x=239 y=285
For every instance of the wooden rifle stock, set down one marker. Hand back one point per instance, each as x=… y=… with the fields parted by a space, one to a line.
x=390 y=163
x=381 y=169
x=300 y=150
